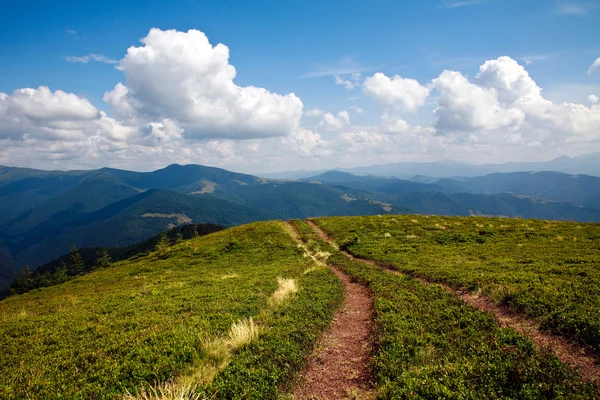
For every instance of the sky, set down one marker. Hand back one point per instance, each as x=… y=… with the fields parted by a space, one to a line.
x=271 y=85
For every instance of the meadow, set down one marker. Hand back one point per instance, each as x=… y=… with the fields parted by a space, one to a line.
x=430 y=344
x=227 y=315
x=547 y=270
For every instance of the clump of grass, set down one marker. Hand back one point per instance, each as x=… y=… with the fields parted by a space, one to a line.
x=287 y=287
x=229 y=276
x=242 y=332
x=166 y=391
x=387 y=235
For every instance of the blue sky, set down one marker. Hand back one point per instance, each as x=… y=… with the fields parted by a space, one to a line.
x=299 y=47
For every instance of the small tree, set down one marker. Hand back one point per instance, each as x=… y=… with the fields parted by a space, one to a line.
x=104 y=259
x=162 y=247
x=77 y=264
x=22 y=281
x=178 y=237
x=61 y=273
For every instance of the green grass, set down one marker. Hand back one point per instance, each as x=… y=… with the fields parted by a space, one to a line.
x=148 y=321
x=429 y=344
x=546 y=269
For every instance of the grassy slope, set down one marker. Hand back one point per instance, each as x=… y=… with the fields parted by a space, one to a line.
x=146 y=320
x=432 y=345
x=547 y=269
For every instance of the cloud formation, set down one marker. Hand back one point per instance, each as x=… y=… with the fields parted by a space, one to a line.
x=396 y=92
x=179 y=102
x=182 y=77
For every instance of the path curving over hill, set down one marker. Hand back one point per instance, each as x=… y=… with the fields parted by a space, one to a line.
x=569 y=353
x=340 y=366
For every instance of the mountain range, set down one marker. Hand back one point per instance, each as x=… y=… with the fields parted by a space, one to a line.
x=45 y=213
x=588 y=164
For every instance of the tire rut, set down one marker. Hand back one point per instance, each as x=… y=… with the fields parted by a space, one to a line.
x=576 y=356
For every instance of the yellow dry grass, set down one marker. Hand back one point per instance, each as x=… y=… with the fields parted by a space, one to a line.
x=287 y=287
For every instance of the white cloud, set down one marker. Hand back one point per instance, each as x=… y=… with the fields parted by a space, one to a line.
x=466 y=107
x=41 y=113
x=396 y=92
x=505 y=106
x=313 y=113
x=595 y=65
x=349 y=84
x=91 y=57
x=307 y=143
x=357 y=109
x=592 y=98
x=332 y=123
x=182 y=77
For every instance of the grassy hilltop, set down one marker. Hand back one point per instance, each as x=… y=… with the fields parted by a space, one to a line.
x=235 y=314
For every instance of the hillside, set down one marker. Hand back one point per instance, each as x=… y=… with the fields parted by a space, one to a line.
x=236 y=313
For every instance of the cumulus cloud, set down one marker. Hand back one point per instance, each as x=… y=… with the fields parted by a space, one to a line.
x=466 y=107
x=41 y=113
x=595 y=65
x=307 y=143
x=331 y=122
x=505 y=105
x=182 y=77
x=396 y=92
x=592 y=98
x=357 y=109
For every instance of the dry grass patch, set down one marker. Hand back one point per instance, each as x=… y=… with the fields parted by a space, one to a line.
x=166 y=391
x=287 y=287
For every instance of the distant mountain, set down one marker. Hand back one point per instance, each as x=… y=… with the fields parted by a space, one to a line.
x=577 y=189
x=588 y=164
x=375 y=184
x=506 y=204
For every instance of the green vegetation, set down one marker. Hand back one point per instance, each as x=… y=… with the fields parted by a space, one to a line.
x=217 y=316
x=79 y=261
x=432 y=345
x=548 y=270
